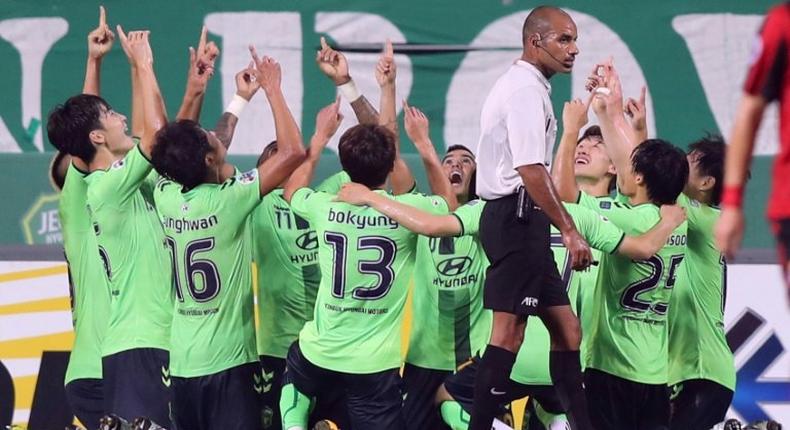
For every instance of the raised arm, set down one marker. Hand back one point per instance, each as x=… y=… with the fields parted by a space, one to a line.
x=201 y=69
x=290 y=152
x=99 y=44
x=143 y=60
x=730 y=227
x=617 y=133
x=334 y=65
x=574 y=117
x=401 y=178
x=414 y=219
x=417 y=127
x=648 y=244
x=246 y=87
x=138 y=124
x=637 y=115
x=326 y=123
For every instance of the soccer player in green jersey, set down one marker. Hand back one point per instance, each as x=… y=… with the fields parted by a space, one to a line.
x=204 y=212
x=353 y=342
x=701 y=366
x=531 y=374
x=627 y=364
x=90 y=297
x=128 y=234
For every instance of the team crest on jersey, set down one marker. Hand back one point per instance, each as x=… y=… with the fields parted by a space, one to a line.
x=184 y=207
x=118 y=164
x=248 y=177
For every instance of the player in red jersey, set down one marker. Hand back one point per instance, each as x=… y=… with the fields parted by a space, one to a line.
x=768 y=80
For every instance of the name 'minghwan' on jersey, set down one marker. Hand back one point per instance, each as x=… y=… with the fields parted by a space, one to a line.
x=210 y=251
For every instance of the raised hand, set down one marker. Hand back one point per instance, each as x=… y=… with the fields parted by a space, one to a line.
x=201 y=63
x=574 y=114
x=416 y=124
x=608 y=92
x=637 y=112
x=247 y=82
x=332 y=63
x=136 y=46
x=385 y=68
x=101 y=38
x=354 y=194
x=267 y=72
x=327 y=122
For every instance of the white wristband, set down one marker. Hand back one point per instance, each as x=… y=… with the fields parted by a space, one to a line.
x=237 y=105
x=349 y=91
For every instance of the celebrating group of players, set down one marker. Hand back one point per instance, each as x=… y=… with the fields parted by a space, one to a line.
x=160 y=232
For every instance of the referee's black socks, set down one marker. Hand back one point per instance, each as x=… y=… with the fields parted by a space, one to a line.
x=491 y=383
x=566 y=374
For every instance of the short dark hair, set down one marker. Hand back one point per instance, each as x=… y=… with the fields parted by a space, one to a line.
x=472 y=192
x=367 y=154
x=267 y=153
x=57 y=172
x=180 y=152
x=591 y=131
x=69 y=125
x=663 y=167
x=711 y=150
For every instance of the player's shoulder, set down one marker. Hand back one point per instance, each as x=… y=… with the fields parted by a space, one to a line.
x=422 y=200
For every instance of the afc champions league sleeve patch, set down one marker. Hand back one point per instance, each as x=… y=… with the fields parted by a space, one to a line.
x=248 y=177
x=605 y=205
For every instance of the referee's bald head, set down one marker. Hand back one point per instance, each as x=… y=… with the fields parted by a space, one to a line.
x=541 y=20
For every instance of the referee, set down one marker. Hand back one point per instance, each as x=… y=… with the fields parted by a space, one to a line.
x=517 y=135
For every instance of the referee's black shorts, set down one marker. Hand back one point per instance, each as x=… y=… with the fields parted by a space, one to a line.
x=522 y=275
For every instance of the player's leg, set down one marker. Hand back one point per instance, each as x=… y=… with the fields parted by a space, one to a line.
x=86 y=398
x=782 y=233
x=615 y=403
x=698 y=404
x=187 y=398
x=419 y=393
x=564 y=358
x=231 y=399
x=302 y=382
x=375 y=400
x=140 y=385
x=547 y=410
x=272 y=370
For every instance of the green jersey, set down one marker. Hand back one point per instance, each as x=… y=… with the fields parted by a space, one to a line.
x=90 y=294
x=210 y=250
x=697 y=343
x=532 y=361
x=628 y=337
x=450 y=324
x=286 y=254
x=131 y=243
x=366 y=261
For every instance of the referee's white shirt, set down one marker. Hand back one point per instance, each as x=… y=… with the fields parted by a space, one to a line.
x=517 y=128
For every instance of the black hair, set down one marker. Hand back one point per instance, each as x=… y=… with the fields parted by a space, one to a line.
x=57 y=172
x=180 y=153
x=267 y=153
x=69 y=125
x=472 y=192
x=664 y=169
x=711 y=150
x=591 y=131
x=367 y=154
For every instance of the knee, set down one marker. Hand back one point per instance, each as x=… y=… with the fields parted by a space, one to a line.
x=567 y=337
x=510 y=338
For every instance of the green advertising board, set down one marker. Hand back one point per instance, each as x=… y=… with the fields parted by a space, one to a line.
x=691 y=55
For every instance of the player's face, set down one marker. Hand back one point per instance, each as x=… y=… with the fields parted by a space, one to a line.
x=114 y=130
x=560 y=45
x=591 y=160
x=459 y=165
